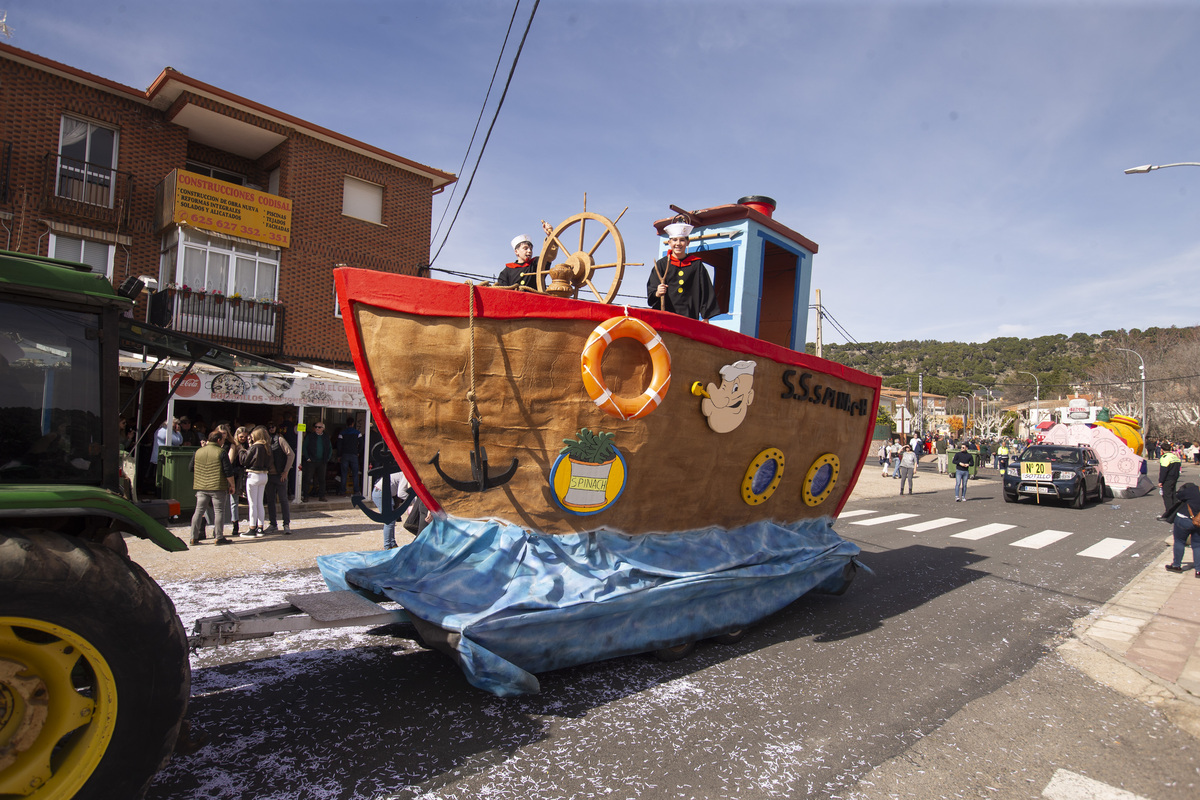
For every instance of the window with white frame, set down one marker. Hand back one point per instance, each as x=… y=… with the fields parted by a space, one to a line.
x=97 y=255
x=215 y=280
x=362 y=200
x=87 y=160
x=213 y=265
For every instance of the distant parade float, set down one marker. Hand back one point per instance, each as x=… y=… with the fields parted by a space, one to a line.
x=585 y=503
x=1117 y=442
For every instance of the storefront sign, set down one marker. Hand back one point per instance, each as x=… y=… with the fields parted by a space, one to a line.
x=222 y=207
x=272 y=388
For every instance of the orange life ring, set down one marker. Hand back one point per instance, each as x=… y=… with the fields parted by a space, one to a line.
x=593 y=379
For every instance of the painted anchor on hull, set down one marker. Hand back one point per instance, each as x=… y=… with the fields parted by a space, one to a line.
x=481 y=479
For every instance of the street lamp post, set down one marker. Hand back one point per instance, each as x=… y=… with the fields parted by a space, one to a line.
x=969 y=412
x=1148 y=167
x=1037 y=392
x=1143 y=368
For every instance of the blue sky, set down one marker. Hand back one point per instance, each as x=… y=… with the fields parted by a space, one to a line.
x=960 y=164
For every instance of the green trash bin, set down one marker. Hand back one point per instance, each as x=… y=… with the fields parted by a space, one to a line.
x=174 y=476
x=972 y=471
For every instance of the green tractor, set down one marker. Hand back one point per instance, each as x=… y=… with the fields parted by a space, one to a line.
x=94 y=673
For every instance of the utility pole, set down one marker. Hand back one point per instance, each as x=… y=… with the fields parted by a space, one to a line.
x=820 y=338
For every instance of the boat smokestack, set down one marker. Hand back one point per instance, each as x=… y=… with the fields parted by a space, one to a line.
x=761 y=204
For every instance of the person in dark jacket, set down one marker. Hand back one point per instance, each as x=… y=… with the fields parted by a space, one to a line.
x=257 y=461
x=679 y=282
x=523 y=271
x=282 y=459
x=349 y=443
x=962 y=472
x=1183 y=528
x=1168 y=476
x=318 y=451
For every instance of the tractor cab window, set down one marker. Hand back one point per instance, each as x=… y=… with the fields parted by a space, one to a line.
x=50 y=424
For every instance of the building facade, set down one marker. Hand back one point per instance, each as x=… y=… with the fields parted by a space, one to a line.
x=215 y=196
x=234 y=214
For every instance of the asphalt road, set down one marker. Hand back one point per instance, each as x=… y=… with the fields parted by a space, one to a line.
x=939 y=675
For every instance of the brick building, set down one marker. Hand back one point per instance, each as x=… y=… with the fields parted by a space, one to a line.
x=238 y=211
x=86 y=162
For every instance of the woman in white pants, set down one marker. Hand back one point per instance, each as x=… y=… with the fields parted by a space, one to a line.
x=257 y=461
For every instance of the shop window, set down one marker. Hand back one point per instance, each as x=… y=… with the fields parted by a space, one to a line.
x=97 y=255
x=87 y=160
x=362 y=200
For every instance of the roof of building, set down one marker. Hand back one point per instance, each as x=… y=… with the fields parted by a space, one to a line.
x=214 y=128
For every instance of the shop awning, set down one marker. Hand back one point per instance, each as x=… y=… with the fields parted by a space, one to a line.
x=162 y=343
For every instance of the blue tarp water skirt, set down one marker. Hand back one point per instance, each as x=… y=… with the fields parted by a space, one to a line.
x=510 y=603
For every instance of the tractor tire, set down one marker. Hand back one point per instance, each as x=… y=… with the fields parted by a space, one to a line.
x=94 y=673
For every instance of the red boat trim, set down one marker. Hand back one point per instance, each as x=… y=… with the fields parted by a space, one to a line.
x=435 y=298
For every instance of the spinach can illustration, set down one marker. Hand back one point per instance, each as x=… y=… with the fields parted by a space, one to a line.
x=589 y=474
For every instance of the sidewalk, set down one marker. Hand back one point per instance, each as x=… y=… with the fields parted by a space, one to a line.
x=317 y=529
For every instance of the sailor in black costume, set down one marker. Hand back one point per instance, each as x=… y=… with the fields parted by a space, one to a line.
x=679 y=282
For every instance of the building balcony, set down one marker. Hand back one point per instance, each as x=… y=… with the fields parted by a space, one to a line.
x=255 y=326
x=90 y=191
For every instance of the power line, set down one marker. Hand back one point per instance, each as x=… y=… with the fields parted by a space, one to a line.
x=487 y=96
x=491 y=127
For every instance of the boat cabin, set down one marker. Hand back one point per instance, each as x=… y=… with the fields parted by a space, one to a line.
x=762 y=270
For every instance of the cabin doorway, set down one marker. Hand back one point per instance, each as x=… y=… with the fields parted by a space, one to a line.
x=777 y=301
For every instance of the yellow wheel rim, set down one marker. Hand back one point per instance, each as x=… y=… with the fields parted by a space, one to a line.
x=58 y=709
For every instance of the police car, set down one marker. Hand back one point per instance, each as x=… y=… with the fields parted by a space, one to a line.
x=1057 y=472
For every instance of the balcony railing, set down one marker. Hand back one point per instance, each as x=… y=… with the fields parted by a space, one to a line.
x=82 y=189
x=255 y=326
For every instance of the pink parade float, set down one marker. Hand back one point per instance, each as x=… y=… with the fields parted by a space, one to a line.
x=1117 y=442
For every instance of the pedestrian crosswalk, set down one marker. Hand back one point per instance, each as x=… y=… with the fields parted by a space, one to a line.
x=1105 y=549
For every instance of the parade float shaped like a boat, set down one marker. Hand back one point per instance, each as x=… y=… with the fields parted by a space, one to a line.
x=607 y=480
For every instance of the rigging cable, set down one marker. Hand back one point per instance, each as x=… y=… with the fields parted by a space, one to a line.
x=487 y=96
x=491 y=127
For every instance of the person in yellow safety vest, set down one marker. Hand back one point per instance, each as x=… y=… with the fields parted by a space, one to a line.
x=1002 y=454
x=1168 y=476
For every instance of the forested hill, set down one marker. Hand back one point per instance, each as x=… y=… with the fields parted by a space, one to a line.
x=950 y=368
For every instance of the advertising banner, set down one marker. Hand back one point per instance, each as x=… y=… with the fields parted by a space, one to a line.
x=222 y=207
x=270 y=389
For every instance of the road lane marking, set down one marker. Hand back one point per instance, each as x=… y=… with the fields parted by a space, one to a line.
x=1067 y=785
x=884 y=520
x=933 y=524
x=859 y=513
x=983 y=531
x=1107 y=548
x=1039 y=540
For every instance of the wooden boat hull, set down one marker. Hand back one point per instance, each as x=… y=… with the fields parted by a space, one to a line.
x=421 y=345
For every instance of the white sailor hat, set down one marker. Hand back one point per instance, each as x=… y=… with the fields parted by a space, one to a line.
x=518 y=240
x=677 y=229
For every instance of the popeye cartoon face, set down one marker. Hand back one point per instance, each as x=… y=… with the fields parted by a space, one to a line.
x=725 y=405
